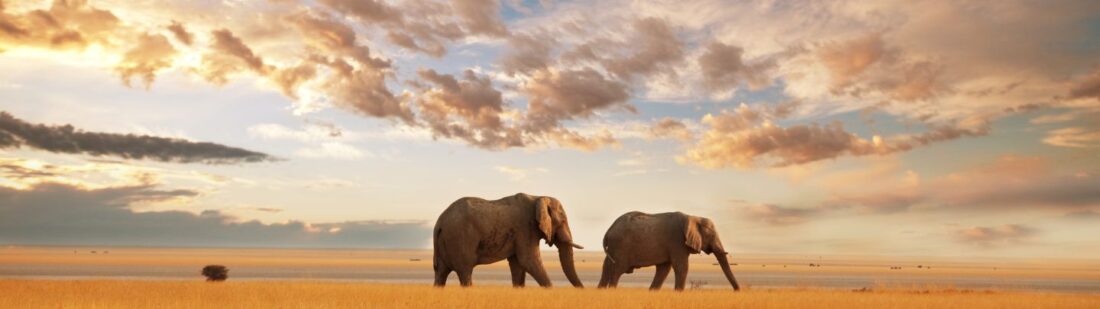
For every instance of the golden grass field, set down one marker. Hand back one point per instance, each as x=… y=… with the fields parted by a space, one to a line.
x=132 y=277
x=311 y=294
x=587 y=261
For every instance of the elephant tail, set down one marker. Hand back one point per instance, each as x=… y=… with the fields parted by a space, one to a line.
x=437 y=247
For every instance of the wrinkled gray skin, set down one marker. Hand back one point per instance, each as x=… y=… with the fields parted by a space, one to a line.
x=664 y=240
x=474 y=231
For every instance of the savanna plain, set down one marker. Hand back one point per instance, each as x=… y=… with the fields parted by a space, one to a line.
x=75 y=277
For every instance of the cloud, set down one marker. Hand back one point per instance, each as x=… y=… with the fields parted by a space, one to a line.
x=469 y=109
x=847 y=60
x=556 y=96
x=519 y=174
x=1008 y=234
x=312 y=132
x=1083 y=215
x=97 y=174
x=325 y=140
x=228 y=54
x=777 y=215
x=658 y=49
x=180 y=33
x=65 y=25
x=743 y=137
x=354 y=77
x=332 y=150
x=724 y=68
x=151 y=54
x=265 y=209
x=1010 y=182
x=15 y=133
x=866 y=64
x=481 y=16
x=1074 y=137
x=367 y=10
x=1087 y=87
x=15 y=170
x=55 y=214
x=528 y=53
x=425 y=26
x=1054 y=118
x=671 y=128
x=914 y=64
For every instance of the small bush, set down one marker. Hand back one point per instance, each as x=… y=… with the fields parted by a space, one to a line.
x=215 y=272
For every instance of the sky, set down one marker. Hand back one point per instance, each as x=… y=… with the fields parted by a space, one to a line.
x=934 y=128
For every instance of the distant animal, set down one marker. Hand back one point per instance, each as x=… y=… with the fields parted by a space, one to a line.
x=215 y=272
x=665 y=240
x=474 y=231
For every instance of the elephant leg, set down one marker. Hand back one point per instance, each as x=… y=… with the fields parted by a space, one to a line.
x=538 y=272
x=531 y=261
x=660 y=275
x=518 y=275
x=605 y=275
x=614 y=280
x=681 y=269
x=621 y=267
x=465 y=275
x=441 y=275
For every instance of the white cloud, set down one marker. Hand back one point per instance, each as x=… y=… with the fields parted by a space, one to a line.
x=519 y=174
x=1077 y=137
x=333 y=150
x=308 y=133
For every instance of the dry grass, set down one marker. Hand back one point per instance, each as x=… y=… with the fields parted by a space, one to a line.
x=587 y=261
x=299 y=294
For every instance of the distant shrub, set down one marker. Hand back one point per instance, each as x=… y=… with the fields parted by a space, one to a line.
x=215 y=272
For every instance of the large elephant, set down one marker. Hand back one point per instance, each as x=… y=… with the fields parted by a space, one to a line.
x=474 y=231
x=666 y=240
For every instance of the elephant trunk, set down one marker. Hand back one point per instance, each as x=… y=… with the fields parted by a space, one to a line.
x=565 y=254
x=724 y=263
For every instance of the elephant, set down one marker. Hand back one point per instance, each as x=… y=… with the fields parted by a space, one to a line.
x=473 y=231
x=665 y=240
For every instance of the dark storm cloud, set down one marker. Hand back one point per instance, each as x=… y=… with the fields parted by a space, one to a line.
x=56 y=214
x=16 y=133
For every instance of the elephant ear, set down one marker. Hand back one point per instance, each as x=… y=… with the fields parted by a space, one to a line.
x=692 y=238
x=542 y=217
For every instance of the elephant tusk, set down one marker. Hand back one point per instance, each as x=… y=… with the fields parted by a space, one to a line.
x=576 y=246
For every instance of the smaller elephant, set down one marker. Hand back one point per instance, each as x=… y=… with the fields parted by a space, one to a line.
x=664 y=240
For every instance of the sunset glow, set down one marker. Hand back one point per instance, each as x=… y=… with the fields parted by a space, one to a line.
x=884 y=128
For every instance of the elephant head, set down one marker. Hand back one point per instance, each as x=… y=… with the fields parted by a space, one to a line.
x=554 y=227
x=700 y=235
